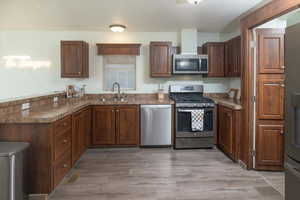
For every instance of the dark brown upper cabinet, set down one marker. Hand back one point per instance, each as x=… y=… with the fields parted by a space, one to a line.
x=270 y=52
x=161 y=59
x=216 y=58
x=74 y=59
x=233 y=57
x=118 y=49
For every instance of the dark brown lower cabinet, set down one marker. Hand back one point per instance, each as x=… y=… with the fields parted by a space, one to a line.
x=269 y=145
x=54 y=147
x=116 y=125
x=81 y=128
x=228 y=131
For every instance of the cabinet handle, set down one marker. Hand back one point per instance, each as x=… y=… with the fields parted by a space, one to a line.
x=79 y=73
x=117 y=110
x=282 y=67
x=281 y=132
x=65 y=141
x=65 y=166
x=282 y=85
x=112 y=111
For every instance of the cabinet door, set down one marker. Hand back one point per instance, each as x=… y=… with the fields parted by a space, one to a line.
x=80 y=131
x=237 y=57
x=74 y=59
x=269 y=145
x=127 y=125
x=226 y=130
x=161 y=59
x=104 y=132
x=270 y=51
x=216 y=56
x=270 y=101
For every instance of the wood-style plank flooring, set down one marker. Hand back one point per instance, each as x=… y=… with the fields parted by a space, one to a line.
x=165 y=174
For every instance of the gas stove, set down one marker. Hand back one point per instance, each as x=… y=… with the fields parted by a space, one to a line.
x=189 y=100
x=190 y=96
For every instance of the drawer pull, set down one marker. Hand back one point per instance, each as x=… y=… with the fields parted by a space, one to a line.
x=65 y=166
x=65 y=141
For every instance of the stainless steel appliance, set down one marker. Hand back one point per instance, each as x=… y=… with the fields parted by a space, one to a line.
x=12 y=171
x=292 y=113
x=156 y=125
x=190 y=64
x=189 y=98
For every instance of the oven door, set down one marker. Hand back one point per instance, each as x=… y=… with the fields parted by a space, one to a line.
x=184 y=123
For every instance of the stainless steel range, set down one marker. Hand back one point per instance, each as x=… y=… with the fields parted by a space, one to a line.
x=195 y=117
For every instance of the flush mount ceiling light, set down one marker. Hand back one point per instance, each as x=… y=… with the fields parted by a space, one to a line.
x=195 y=2
x=117 y=28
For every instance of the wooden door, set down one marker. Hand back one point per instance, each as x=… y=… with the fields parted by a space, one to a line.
x=216 y=58
x=238 y=55
x=270 y=96
x=226 y=130
x=74 y=59
x=127 y=125
x=161 y=59
x=269 y=145
x=270 y=52
x=104 y=124
x=80 y=132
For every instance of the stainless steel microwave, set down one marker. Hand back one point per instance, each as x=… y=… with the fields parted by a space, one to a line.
x=190 y=64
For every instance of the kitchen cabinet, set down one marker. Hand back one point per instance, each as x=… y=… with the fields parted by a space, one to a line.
x=161 y=59
x=104 y=120
x=233 y=57
x=228 y=131
x=270 y=53
x=74 y=59
x=216 y=58
x=270 y=96
x=54 y=147
x=116 y=125
x=269 y=145
x=81 y=129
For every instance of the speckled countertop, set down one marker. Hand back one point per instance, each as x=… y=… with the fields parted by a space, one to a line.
x=228 y=102
x=56 y=111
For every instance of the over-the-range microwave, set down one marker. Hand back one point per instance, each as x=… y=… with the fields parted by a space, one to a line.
x=190 y=64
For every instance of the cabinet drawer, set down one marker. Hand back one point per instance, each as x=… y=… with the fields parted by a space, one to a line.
x=63 y=125
x=62 y=167
x=62 y=143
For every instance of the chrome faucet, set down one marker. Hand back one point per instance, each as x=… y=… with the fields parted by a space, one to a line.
x=119 y=89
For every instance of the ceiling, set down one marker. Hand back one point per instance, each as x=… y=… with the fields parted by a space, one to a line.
x=137 y=15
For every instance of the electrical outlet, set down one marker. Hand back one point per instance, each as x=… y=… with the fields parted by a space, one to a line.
x=25 y=106
x=55 y=99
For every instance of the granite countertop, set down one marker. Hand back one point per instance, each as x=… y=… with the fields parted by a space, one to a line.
x=56 y=111
x=228 y=102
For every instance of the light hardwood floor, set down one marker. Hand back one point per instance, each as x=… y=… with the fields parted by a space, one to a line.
x=165 y=174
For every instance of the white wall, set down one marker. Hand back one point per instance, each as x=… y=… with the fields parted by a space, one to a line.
x=36 y=77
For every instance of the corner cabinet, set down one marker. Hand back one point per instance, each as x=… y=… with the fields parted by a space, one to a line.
x=228 y=131
x=233 y=57
x=116 y=125
x=216 y=56
x=74 y=59
x=161 y=59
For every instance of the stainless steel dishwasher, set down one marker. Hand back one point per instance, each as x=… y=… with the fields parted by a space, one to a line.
x=156 y=125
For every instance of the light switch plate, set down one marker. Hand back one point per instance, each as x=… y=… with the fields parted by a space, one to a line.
x=25 y=106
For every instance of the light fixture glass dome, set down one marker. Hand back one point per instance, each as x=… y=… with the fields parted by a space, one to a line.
x=117 y=28
x=194 y=1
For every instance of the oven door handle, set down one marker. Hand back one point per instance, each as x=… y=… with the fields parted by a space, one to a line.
x=181 y=110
